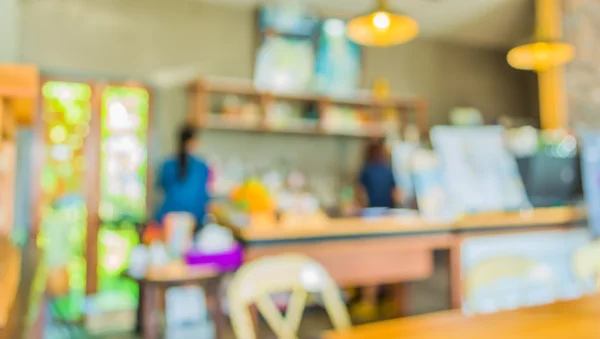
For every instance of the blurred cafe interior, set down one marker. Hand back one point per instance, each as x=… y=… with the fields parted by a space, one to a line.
x=337 y=169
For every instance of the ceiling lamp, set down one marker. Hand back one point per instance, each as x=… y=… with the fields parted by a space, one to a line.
x=382 y=27
x=546 y=51
x=540 y=56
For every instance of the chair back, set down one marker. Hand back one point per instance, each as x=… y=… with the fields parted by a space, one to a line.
x=298 y=274
x=586 y=262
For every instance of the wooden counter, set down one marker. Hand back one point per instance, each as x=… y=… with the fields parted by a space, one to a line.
x=394 y=226
x=365 y=252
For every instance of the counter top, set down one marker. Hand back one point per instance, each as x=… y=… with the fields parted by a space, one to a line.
x=398 y=226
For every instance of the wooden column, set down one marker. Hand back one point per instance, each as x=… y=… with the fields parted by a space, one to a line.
x=92 y=189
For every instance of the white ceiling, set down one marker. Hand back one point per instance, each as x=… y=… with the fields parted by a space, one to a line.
x=489 y=23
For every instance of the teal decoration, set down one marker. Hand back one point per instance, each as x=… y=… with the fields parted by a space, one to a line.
x=338 y=65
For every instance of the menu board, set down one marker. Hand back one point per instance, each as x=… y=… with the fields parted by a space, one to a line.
x=479 y=173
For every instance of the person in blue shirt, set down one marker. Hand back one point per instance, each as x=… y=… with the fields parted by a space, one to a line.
x=377 y=178
x=185 y=180
x=377 y=189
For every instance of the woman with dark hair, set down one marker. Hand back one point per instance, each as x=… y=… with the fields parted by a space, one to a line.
x=377 y=178
x=185 y=180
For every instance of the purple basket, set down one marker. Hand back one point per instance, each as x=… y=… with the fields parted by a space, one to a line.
x=228 y=261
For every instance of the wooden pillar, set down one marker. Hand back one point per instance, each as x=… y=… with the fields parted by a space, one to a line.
x=92 y=189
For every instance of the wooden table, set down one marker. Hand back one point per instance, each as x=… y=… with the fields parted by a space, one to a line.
x=360 y=252
x=152 y=288
x=573 y=319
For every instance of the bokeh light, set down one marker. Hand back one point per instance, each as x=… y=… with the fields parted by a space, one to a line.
x=58 y=134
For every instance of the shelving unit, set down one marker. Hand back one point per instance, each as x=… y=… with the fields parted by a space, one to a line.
x=202 y=92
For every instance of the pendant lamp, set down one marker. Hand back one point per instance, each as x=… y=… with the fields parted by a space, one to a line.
x=546 y=51
x=382 y=27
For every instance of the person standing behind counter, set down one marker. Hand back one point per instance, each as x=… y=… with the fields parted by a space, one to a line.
x=376 y=189
x=376 y=182
x=185 y=180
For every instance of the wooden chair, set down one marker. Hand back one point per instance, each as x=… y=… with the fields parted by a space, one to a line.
x=10 y=274
x=298 y=274
x=586 y=262
x=493 y=270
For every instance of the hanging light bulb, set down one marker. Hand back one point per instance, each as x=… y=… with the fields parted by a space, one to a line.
x=382 y=27
x=546 y=51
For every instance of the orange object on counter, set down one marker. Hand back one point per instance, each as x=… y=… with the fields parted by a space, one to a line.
x=151 y=234
x=254 y=197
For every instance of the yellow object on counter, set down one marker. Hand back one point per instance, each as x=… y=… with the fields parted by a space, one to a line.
x=253 y=197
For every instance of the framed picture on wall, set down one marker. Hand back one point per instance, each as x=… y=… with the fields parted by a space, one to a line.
x=284 y=64
x=299 y=52
x=338 y=60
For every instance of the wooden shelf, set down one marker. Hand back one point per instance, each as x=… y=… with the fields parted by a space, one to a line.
x=246 y=88
x=224 y=125
x=202 y=89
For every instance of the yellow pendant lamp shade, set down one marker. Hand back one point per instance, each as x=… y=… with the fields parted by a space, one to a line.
x=540 y=56
x=382 y=27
